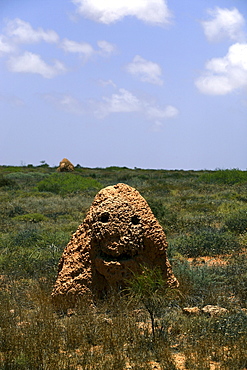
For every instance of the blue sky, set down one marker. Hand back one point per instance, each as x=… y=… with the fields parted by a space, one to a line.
x=136 y=83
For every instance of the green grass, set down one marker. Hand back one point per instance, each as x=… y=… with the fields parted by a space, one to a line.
x=203 y=214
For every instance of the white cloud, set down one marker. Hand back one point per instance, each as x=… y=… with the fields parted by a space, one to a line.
x=226 y=74
x=126 y=102
x=12 y=100
x=106 y=48
x=155 y=112
x=105 y=83
x=22 y=32
x=82 y=48
x=71 y=104
x=122 y=102
x=86 y=50
x=67 y=103
x=32 y=63
x=5 y=46
x=225 y=23
x=145 y=70
x=108 y=11
x=157 y=126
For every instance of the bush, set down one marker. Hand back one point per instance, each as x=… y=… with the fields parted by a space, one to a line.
x=194 y=222
x=157 y=208
x=167 y=218
x=26 y=238
x=15 y=211
x=4 y=181
x=233 y=325
x=31 y=217
x=31 y=252
x=208 y=242
x=200 y=284
x=236 y=273
x=228 y=177
x=237 y=222
x=26 y=178
x=153 y=292
x=63 y=183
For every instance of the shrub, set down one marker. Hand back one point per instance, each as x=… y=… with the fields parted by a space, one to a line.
x=167 y=218
x=29 y=341
x=208 y=242
x=152 y=291
x=26 y=178
x=4 y=181
x=228 y=177
x=236 y=273
x=15 y=210
x=31 y=217
x=233 y=325
x=200 y=284
x=26 y=238
x=31 y=252
x=195 y=222
x=243 y=240
x=63 y=183
x=157 y=208
x=237 y=222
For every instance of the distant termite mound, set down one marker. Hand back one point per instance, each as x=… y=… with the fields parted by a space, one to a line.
x=118 y=237
x=65 y=166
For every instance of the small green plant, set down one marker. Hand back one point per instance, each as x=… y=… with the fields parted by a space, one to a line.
x=150 y=289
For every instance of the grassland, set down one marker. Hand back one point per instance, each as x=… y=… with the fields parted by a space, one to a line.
x=204 y=214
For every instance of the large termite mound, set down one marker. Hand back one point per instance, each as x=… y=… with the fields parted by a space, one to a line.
x=118 y=237
x=65 y=166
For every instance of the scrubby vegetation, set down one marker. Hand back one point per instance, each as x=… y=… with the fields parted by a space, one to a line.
x=204 y=214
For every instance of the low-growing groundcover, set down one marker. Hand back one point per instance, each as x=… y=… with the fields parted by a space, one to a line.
x=64 y=183
x=203 y=214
